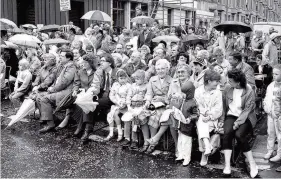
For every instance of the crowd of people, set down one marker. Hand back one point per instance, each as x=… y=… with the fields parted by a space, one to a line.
x=203 y=89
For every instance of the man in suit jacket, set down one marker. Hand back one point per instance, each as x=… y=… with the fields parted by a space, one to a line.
x=145 y=38
x=134 y=64
x=235 y=60
x=61 y=87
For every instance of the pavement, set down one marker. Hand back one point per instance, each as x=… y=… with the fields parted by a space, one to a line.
x=26 y=153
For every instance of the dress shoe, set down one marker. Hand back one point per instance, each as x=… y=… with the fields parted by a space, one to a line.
x=254 y=170
x=150 y=149
x=134 y=145
x=277 y=158
x=278 y=169
x=267 y=155
x=46 y=129
x=144 y=148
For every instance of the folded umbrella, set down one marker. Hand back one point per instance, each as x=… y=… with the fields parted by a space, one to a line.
x=25 y=40
x=30 y=26
x=166 y=38
x=27 y=107
x=195 y=39
x=50 y=28
x=9 y=22
x=143 y=20
x=238 y=27
x=85 y=101
x=55 y=41
x=65 y=103
x=97 y=16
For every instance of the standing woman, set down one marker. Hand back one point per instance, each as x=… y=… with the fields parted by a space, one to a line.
x=210 y=105
x=240 y=118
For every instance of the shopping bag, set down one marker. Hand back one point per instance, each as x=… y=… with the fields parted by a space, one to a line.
x=85 y=101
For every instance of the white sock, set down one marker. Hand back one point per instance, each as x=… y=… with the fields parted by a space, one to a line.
x=119 y=129
x=111 y=131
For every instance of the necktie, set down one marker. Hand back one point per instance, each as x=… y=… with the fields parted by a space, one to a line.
x=107 y=82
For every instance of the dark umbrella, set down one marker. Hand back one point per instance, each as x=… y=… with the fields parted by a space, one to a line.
x=50 y=28
x=233 y=26
x=65 y=103
x=195 y=39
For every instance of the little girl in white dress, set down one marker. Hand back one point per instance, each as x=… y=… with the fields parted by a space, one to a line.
x=117 y=95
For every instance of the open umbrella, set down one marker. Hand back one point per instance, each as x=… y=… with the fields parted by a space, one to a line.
x=195 y=39
x=97 y=16
x=233 y=26
x=9 y=45
x=143 y=20
x=9 y=22
x=55 y=41
x=31 y=26
x=25 y=40
x=17 y=31
x=65 y=103
x=27 y=107
x=166 y=38
x=4 y=26
x=50 y=28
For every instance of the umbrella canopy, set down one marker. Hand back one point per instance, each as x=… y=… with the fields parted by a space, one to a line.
x=4 y=26
x=31 y=26
x=143 y=20
x=9 y=45
x=65 y=103
x=55 y=41
x=195 y=39
x=97 y=16
x=50 y=28
x=233 y=26
x=25 y=40
x=166 y=38
x=27 y=107
x=9 y=22
x=17 y=31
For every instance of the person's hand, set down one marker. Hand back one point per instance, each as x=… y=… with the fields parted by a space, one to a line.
x=205 y=119
x=235 y=126
x=74 y=93
x=51 y=90
x=187 y=120
x=220 y=124
x=35 y=88
x=147 y=103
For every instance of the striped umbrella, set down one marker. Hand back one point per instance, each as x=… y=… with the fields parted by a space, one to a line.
x=97 y=16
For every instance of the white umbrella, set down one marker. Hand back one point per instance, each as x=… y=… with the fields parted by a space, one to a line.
x=166 y=38
x=143 y=20
x=8 y=22
x=9 y=45
x=27 y=107
x=31 y=26
x=97 y=16
x=25 y=40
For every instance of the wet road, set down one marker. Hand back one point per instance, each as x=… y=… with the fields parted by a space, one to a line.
x=25 y=153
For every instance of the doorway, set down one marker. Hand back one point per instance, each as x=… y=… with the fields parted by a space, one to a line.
x=77 y=11
x=26 y=12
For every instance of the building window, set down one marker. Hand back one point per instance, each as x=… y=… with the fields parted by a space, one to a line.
x=118 y=14
x=144 y=8
x=169 y=17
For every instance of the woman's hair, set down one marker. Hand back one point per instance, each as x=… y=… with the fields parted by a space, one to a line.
x=121 y=74
x=108 y=58
x=139 y=74
x=185 y=67
x=211 y=75
x=147 y=48
x=238 y=77
x=184 y=55
x=90 y=58
x=24 y=63
x=218 y=51
x=163 y=42
x=164 y=62
x=73 y=30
